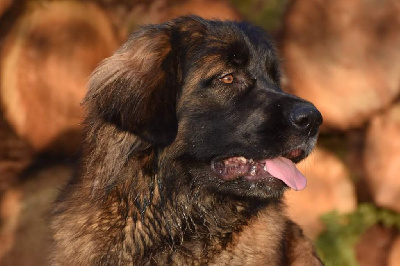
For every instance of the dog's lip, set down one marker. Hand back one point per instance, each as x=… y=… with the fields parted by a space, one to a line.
x=280 y=167
x=295 y=155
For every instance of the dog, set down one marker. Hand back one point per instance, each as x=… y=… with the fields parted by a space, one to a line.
x=190 y=144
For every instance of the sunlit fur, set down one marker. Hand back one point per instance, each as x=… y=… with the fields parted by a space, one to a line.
x=157 y=114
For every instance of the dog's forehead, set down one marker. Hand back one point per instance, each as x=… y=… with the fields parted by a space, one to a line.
x=209 y=49
x=241 y=39
x=255 y=38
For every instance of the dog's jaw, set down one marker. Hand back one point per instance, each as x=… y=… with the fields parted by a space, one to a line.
x=281 y=167
x=248 y=169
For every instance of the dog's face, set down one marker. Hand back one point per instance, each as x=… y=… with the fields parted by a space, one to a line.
x=207 y=93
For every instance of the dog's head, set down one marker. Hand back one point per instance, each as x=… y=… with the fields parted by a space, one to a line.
x=207 y=95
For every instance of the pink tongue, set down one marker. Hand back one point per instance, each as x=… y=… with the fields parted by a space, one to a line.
x=285 y=170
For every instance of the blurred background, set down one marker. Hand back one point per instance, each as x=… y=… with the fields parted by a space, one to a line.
x=342 y=55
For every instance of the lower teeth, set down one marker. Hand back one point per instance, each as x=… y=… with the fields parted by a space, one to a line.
x=232 y=169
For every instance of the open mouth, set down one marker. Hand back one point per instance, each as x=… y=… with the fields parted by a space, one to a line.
x=282 y=168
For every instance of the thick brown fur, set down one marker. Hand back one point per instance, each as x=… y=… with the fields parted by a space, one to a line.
x=157 y=115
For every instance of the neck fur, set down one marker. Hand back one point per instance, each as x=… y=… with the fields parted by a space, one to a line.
x=157 y=219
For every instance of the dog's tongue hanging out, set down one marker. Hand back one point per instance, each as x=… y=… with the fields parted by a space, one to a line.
x=285 y=170
x=280 y=168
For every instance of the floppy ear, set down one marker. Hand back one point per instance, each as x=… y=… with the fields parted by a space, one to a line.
x=136 y=88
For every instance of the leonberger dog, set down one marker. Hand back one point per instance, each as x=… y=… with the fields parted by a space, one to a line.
x=190 y=145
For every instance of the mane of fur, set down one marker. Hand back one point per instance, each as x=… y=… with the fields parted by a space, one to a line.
x=132 y=201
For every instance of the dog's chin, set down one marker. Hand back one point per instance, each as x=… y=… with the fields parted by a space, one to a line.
x=263 y=189
x=260 y=178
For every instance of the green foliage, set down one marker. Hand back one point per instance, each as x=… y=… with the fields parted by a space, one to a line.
x=265 y=13
x=336 y=244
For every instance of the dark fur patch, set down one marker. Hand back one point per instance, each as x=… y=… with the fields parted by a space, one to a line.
x=158 y=113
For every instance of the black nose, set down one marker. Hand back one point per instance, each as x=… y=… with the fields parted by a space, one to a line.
x=306 y=118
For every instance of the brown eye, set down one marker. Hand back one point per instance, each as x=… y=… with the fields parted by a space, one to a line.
x=228 y=79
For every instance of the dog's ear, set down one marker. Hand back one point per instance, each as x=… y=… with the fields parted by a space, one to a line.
x=136 y=88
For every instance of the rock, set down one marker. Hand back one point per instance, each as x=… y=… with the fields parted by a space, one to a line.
x=10 y=209
x=128 y=15
x=328 y=188
x=374 y=246
x=45 y=63
x=15 y=156
x=209 y=9
x=343 y=56
x=382 y=158
x=4 y=5
x=25 y=215
x=394 y=254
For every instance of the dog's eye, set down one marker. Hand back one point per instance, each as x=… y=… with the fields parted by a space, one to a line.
x=227 y=79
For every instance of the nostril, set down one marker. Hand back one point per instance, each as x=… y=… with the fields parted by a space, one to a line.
x=301 y=119
x=306 y=116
